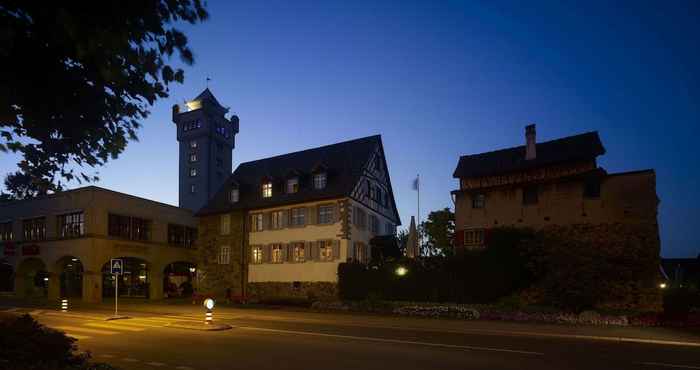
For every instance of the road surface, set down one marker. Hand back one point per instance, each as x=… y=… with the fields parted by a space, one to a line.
x=269 y=339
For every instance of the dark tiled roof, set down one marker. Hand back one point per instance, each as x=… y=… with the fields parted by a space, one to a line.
x=342 y=162
x=572 y=148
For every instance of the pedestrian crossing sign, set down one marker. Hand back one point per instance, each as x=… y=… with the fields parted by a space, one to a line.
x=117 y=266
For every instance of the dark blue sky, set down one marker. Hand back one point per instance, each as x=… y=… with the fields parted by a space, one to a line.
x=443 y=79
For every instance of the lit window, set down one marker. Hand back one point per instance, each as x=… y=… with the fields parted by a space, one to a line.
x=298 y=252
x=277 y=219
x=193 y=144
x=325 y=250
x=258 y=222
x=224 y=255
x=320 y=180
x=474 y=238
x=276 y=253
x=192 y=189
x=193 y=157
x=267 y=190
x=193 y=172
x=234 y=195
x=325 y=214
x=298 y=216
x=34 y=229
x=71 y=225
x=478 y=201
x=292 y=185
x=225 y=224
x=257 y=254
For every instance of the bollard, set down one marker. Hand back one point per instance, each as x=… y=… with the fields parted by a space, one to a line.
x=64 y=305
x=209 y=305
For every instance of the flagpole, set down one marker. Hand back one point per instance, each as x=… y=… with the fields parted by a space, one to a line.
x=420 y=235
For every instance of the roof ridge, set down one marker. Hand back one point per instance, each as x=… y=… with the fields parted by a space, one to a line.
x=309 y=149
x=523 y=146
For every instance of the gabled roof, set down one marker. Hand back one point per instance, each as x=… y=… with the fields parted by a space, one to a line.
x=585 y=146
x=344 y=164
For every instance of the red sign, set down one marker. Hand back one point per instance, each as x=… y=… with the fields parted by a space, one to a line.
x=9 y=249
x=30 y=250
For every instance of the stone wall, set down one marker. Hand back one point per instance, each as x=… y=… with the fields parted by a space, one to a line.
x=311 y=291
x=213 y=277
x=620 y=260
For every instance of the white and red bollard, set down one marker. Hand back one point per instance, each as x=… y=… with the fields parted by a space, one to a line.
x=64 y=305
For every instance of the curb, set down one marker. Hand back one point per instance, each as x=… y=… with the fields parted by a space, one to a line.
x=200 y=327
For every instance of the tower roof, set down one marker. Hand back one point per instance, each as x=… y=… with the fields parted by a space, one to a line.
x=208 y=96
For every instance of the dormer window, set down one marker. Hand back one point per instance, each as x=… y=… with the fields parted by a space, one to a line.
x=233 y=196
x=267 y=189
x=320 y=180
x=292 y=185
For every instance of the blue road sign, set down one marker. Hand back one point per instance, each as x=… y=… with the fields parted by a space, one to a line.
x=117 y=266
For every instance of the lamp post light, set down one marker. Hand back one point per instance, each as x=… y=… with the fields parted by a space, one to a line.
x=662 y=285
x=401 y=271
x=64 y=305
x=209 y=305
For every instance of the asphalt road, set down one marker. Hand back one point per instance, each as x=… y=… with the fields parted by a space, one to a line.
x=262 y=339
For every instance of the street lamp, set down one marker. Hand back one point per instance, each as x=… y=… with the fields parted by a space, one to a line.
x=662 y=285
x=209 y=305
x=401 y=271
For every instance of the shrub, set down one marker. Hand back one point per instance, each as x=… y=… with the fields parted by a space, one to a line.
x=677 y=303
x=25 y=344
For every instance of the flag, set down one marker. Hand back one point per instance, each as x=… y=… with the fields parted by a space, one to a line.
x=416 y=184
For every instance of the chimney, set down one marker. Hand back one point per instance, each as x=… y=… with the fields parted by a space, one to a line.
x=530 y=142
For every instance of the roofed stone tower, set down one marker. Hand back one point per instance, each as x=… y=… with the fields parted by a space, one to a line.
x=207 y=139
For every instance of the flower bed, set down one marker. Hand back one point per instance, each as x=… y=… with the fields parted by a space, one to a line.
x=490 y=312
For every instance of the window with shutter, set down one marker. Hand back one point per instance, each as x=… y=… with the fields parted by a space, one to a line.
x=224 y=255
x=257 y=254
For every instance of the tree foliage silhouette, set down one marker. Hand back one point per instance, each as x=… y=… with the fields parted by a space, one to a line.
x=78 y=79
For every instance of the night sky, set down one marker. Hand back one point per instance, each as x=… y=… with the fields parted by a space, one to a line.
x=442 y=79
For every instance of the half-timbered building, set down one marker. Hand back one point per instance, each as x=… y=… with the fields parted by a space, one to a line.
x=280 y=226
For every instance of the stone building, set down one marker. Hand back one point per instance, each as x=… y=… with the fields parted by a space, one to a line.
x=206 y=141
x=280 y=226
x=553 y=183
x=60 y=245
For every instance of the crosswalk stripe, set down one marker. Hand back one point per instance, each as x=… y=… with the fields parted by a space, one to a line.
x=154 y=320
x=86 y=330
x=185 y=318
x=78 y=336
x=113 y=326
x=87 y=317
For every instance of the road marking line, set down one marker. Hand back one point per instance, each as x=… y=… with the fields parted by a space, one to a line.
x=139 y=324
x=78 y=336
x=86 y=330
x=155 y=363
x=14 y=309
x=36 y=312
x=128 y=359
x=184 y=368
x=184 y=318
x=113 y=326
x=669 y=365
x=106 y=356
x=398 y=341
